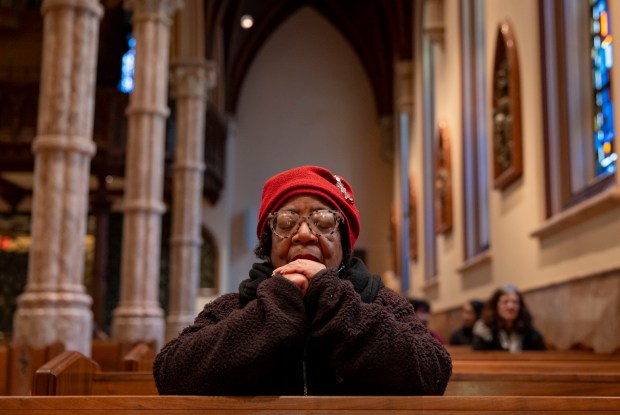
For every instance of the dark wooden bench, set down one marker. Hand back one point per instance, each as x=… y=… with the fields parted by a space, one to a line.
x=108 y=354
x=71 y=373
x=139 y=358
x=466 y=353
x=537 y=384
x=536 y=366
x=548 y=373
x=345 y=405
x=18 y=364
x=4 y=369
x=116 y=356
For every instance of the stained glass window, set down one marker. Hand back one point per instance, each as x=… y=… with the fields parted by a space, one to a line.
x=602 y=61
x=127 y=69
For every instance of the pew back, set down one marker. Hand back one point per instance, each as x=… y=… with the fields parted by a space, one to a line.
x=72 y=373
x=4 y=369
x=114 y=356
x=140 y=358
x=467 y=353
x=18 y=364
x=539 y=366
x=547 y=373
x=108 y=354
x=549 y=384
x=69 y=373
x=359 y=405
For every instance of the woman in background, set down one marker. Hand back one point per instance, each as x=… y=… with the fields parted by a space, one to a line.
x=506 y=324
x=470 y=313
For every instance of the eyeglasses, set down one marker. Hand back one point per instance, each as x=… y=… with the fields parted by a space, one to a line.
x=320 y=222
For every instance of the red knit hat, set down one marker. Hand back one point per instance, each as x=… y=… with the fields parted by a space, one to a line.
x=310 y=180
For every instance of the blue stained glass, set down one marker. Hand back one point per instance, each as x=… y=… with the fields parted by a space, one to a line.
x=128 y=64
x=602 y=62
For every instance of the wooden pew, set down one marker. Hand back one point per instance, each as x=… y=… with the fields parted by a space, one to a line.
x=108 y=354
x=533 y=384
x=4 y=369
x=534 y=373
x=115 y=356
x=140 y=358
x=18 y=364
x=466 y=353
x=71 y=373
x=535 y=366
x=309 y=405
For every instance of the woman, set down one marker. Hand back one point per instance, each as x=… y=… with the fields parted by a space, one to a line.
x=310 y=319
x=506 y=324
x=470 y=314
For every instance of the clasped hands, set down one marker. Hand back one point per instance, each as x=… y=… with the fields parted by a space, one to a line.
x=299 y=272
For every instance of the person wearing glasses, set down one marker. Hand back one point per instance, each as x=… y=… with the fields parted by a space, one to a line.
x=310 y=319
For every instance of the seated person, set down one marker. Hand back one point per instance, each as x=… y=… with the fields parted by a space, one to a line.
x=423 y=311
x=506 y=324
x=470 y=313
x=310 y=319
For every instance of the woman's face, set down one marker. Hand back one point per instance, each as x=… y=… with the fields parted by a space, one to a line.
x=469 y=315
x=508 y=307
x=303 y=244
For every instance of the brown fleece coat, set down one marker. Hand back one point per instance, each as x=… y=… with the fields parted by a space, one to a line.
x=327 y=343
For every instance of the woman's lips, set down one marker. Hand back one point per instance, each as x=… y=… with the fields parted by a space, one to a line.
x=305 y=256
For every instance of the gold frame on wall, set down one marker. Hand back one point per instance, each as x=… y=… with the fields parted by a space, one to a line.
x=413 y=221
x=443 y=180
x=507 y=140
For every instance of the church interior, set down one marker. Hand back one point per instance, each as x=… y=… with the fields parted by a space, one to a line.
x=135 y=137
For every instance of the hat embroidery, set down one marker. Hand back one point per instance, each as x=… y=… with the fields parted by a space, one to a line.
x=342 y=189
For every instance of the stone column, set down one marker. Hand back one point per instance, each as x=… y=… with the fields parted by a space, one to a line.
x=403 y=95
x=190 y=79
x=55 y=306
x=139 y=316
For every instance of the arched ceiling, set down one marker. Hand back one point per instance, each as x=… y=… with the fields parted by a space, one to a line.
x=380 y=32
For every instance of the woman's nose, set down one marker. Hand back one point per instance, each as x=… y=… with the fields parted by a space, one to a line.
x=303 y=232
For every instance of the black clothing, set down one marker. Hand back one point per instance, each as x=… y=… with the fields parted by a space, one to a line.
x=486 y=338
x=346 y=336
x=461 y=337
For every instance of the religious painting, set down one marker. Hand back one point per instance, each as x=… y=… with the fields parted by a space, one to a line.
x=443 y=181
x=507 y=146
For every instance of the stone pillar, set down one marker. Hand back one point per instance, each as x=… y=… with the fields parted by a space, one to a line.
x=190 y=79
x=139 y=316
x=403 y=94
x=55 y=306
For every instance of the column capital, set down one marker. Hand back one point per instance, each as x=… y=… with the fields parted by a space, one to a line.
x=162 y=10
x=434 y=21
x=192 y=77
x=90 y=6
x=403 y=85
